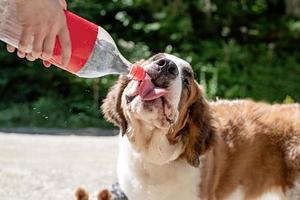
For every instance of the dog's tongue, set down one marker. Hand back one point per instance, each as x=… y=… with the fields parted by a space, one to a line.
x=146 y=90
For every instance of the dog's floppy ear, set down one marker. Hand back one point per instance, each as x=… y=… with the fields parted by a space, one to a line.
x=111 y=106
x=198 y=133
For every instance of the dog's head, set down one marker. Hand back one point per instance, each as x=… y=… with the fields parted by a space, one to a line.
x=167 y=112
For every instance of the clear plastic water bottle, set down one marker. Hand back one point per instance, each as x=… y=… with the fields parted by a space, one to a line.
x=94 y=52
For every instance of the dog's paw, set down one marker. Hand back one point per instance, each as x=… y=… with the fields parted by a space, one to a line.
x=105 y=195
x=81 y=194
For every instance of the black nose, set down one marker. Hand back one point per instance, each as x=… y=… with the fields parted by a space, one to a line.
x=167 y=67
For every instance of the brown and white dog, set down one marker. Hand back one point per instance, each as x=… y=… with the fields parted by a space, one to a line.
x=176 y=145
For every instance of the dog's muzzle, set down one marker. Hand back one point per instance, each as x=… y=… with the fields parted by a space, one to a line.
x=162 y=72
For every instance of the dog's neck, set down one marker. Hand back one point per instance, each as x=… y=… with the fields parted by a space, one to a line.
x=153 y=144
x=156 y=172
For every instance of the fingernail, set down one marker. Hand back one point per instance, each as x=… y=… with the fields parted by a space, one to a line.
x=21 y=54
x=46 y=64
x=10 y=49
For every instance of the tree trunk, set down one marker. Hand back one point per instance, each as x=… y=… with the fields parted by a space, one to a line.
x=293 y=7
x=208 y=8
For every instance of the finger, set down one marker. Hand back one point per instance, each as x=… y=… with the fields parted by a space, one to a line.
x=64 y=39
x=21 y=54
x=25 y=39
x=10 y=48
x=46 y=63
x=48 y=46
x=38 y=45
x=30 y=57
x=63 y=4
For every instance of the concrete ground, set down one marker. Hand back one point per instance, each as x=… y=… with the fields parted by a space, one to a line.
x=43 y=167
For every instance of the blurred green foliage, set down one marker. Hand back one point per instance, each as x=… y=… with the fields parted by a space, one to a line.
x=238 y=49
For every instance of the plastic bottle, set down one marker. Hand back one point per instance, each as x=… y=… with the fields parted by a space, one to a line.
x=94 y=52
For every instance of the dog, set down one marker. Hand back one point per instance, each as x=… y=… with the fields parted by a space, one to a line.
x=174 y=144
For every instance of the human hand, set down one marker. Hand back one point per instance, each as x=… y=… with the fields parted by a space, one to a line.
x=43 y=21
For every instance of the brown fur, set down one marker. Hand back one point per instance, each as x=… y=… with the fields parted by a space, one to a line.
x=81 y=194
x=258 y=148
x=195 y=125
x=104 y=195
x=196 y=128
x=255 y=145
x=111 y=106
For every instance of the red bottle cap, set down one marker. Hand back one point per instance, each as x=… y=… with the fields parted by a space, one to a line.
x=137 y=73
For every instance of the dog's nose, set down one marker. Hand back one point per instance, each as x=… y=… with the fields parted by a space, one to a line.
x=167 y=67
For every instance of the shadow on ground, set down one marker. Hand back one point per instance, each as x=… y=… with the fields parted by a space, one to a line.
x=54 y=131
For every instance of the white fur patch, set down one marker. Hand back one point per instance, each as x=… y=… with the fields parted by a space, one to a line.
x=238 y=194
x=143 y=180
x=294 y=193
x=273 y=194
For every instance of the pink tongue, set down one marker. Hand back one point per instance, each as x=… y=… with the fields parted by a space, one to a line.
x=146 y=90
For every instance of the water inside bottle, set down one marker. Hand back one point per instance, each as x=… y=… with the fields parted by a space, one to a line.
x=105 y=58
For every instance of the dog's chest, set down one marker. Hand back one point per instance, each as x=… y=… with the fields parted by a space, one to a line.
x=143 y=180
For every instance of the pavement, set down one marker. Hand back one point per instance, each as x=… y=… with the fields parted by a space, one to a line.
x=48 y=167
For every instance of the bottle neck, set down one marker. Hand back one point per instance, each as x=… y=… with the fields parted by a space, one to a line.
x=104 y=35
x=104 y=60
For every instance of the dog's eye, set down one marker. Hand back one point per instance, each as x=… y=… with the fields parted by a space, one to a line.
x=187 y=73
x=186 y=82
